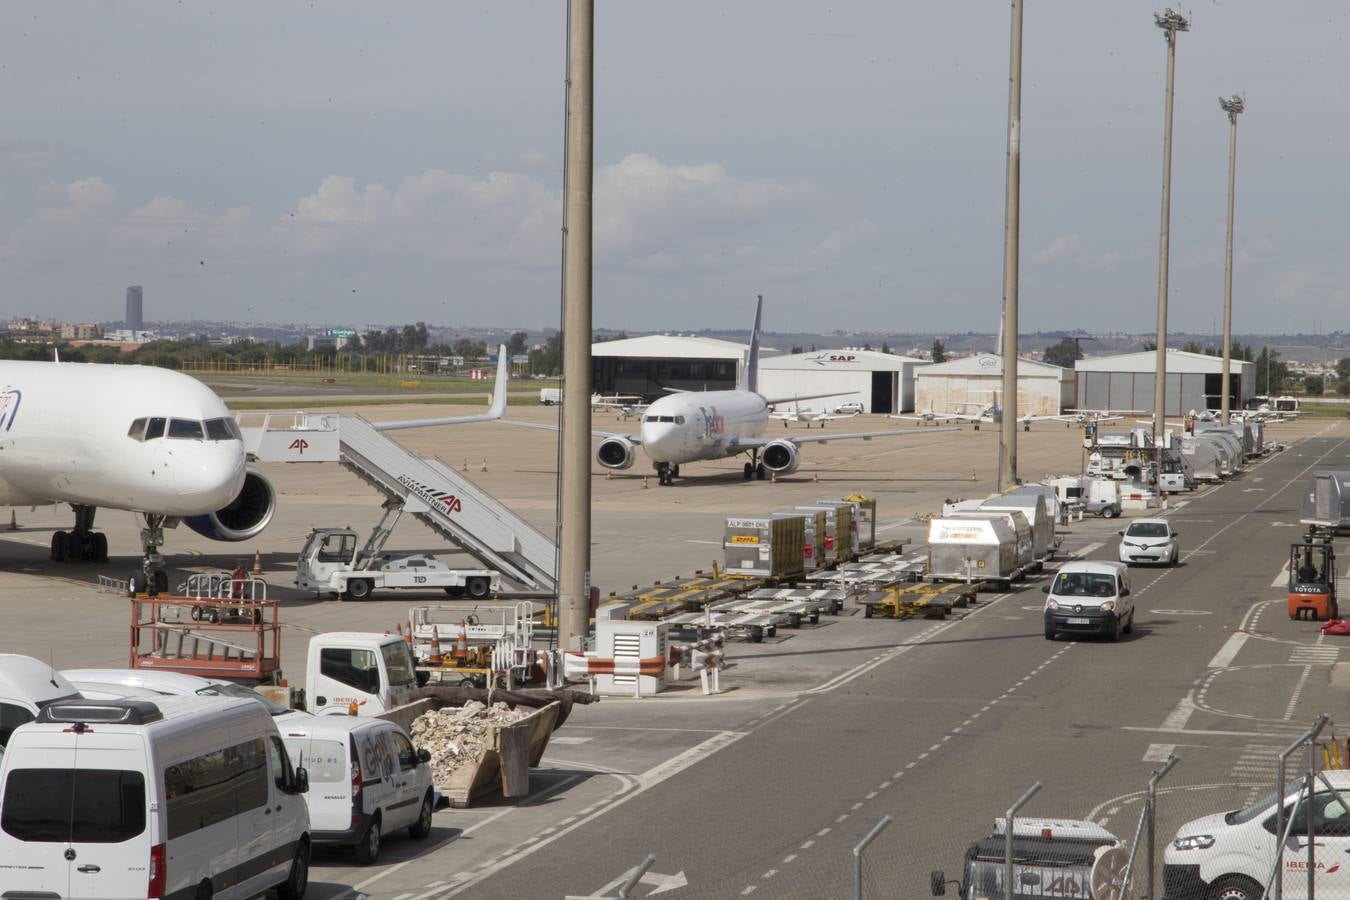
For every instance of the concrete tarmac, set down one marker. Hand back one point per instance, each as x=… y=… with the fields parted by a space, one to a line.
x=820 y=731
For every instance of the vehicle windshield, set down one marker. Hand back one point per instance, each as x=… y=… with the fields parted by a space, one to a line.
x=238 y=690
x=1085 y=584
x=398 y=662
x=1147 y=530
x=1255 y=811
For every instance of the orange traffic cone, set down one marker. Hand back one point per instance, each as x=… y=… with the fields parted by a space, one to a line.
x=609 y=474
x=462 y=645
x=815 y=478
x=435 y=658
x=13 y=522
x=257 y=562
x=408 y=635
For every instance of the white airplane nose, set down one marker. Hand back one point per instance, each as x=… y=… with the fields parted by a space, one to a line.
x=209 y=475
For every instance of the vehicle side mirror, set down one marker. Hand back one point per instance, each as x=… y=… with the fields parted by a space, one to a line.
x=301 y=781
x=937 y=882
x=1176 y=534
x=423 y=755
x=1124 y=592
x=1121 y=533
x=1046 y=589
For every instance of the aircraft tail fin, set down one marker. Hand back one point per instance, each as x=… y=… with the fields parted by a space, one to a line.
x=750 y=378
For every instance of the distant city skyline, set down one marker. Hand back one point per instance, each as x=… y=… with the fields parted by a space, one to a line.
x=333 y=162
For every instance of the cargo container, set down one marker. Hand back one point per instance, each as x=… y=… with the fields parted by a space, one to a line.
x=865 y=520
x=972 y=549
x=1032 y=509
x=1052 y=504
x=1326 y=501
x=838 y=531
x=813 y=537
x=854 y=525
x=767 y=546
x=1021 y=528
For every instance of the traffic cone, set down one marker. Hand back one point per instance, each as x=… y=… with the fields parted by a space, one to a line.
x=644 y=482
x=484 y=469
x=462 y=645
x=435 y=657
x=773 y=477
x=815 y=478
x=257 y=562
x=609 y=474
x=408 y=635
x=13 y=522
x=972 y=475
x=466 y=466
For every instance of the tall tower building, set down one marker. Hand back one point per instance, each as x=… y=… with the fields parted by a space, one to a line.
x=135 y=320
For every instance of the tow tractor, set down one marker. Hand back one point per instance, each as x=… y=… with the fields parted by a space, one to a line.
x=1051 y=858
x=330 y=562
x=1312 y=577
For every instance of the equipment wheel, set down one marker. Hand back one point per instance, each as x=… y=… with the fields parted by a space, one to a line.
x=293 y=888
x=675 y=470
x=761 y=473
x=795 y=620
x=59 y=545
x=478 y=588
x=160 y=579
x=867 y=611
x=1129 y=624
x=1049 y=633
x=756 y=634
x=1108 y=512
x=359 y=588
x=467 y=682
x=213 y=616
x=422 y=827
x=1234 y=887
x=100 y=544
x=195 y=613
x=815 y=617
x=749 y=471
x=135 y=584
x=771 y=631
x=368 y=850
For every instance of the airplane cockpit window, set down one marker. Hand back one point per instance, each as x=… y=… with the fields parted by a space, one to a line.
x=137 y=430
x=650 y=419
x=679 y=420
x=185 y=429
x=155 y=428
x=222 y=430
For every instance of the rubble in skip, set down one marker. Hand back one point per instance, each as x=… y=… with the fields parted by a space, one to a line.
x=459 y=736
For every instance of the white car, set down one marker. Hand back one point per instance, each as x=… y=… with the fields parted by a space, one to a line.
x=1230 y=855
x=1149 y=541
x=849 y=406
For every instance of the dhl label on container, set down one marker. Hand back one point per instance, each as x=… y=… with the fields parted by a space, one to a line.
x=748 y=523
x=745 y=539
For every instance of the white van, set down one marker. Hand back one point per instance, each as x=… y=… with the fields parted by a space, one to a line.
x=372 y=672
x=367 y=781
x=130 y=799
x=1089 y=598
x=1232 y=854
x=135 y=683
x=27 y=685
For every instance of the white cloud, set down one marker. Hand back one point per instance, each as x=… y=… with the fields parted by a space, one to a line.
x=841 y=240
x=1058 y=248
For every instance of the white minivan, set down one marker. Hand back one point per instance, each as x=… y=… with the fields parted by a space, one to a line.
x=183 y=797
x=367 y=781
x=1232 y=854
x=137 y=683
x=1089 y=597
x=27 y=685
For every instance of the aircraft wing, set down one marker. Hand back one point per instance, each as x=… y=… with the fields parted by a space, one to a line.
x=775 y=400
x=843 y=436
x=495 y=410
x=634 y=439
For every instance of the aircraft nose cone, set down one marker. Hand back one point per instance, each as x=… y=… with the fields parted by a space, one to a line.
x=212 y=474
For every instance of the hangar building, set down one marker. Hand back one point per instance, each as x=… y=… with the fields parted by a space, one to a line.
x=645 y=366
x=969 y=384
x=882 y=382
x=1194 y=381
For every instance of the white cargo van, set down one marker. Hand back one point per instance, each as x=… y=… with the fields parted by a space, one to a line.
x=134 y=683
x=1089 y=597
x=126 y=798
x=367 y=781
x=27 y=685
x=371 y=671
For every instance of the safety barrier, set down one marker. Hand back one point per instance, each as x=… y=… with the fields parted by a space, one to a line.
x=706 y=657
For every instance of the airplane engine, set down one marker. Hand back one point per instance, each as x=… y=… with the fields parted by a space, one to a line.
x=245 y=516
x=781 y=457
x=616 y=453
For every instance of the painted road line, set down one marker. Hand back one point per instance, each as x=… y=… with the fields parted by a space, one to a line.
x=1281 y=579
x=1084 y=551
x=1224 y=658
x=1176 y=720
x=1159 y=752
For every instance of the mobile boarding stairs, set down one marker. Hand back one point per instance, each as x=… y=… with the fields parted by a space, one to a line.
x=424 y=487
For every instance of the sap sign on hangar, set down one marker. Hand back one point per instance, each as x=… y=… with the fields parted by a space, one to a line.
x=882 y=382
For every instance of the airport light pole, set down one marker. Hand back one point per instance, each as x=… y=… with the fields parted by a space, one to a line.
x=1232 y=106
x=574 y=513
x=1007 y=464
x=1170 y=22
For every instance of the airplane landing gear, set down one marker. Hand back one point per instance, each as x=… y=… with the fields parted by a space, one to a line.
x=152 y=578
x=81 y=543
x=665 y=474
x=755 y=469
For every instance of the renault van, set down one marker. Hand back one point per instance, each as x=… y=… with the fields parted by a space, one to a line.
x=1089 y=597
x=367 y=781
x=27 y=685
x=182 y=797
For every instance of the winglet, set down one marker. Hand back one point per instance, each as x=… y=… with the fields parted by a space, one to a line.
x=750 y=381
x=495 y=410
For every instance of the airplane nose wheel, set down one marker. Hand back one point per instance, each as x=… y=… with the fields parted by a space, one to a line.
x=749 y=471
x=665 y=474
x=761 y=473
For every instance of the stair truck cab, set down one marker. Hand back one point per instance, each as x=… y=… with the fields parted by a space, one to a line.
x=182 y=797
x=1051 y=858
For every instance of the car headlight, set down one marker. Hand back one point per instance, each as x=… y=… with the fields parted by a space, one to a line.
x=1108 y=606
x=1052 y=603
x=1194 y=842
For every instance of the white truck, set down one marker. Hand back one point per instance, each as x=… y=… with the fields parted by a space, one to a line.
x=331 y=563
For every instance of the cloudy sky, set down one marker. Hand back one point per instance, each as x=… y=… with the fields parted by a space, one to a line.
x=354 y=162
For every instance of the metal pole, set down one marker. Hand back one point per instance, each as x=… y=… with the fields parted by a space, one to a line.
x=1170 y=22
x=636 y=875
x=1158 y=775
x=1008 y=838
x=1309 y=736
x=1007 y=471
x=1232 y=106
x=858 y=851
x=575 y=475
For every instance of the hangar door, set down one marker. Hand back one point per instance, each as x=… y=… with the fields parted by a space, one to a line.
x=883 y=392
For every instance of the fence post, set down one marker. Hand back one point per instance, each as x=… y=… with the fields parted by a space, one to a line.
x=635 y=876
x=1008 y=835
x=1157 y=776
x=858 y=851
x=1277 y=876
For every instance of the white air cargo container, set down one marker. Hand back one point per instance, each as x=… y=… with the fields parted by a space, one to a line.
x=1031 y=507
x=972 y=549
x=767 y=546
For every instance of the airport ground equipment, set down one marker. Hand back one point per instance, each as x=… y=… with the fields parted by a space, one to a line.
x=683 y=594
x=630 y=645
x=1051 y=858
x=1033 y=509
x=872 y=572
x=909 y=601
x=1326 y=501
x=864 y=520
x=330 y=562
x=1312 y=577
x=198 y=636
x=427 y=488
x=813 y=536
x=1026 y=550
x=973 y=549
x=838 y=531
x=765 y=546
x=473 y=645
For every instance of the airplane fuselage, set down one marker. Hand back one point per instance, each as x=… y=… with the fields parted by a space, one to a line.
x=122 y=437
x=702 y=425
